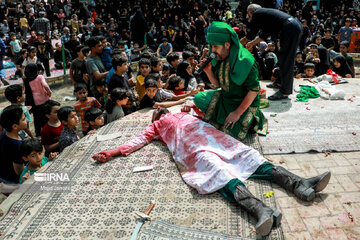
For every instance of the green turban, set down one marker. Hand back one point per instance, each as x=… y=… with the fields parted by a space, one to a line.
x=240 y=59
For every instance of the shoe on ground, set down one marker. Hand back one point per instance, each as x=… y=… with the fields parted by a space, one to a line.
x=277 y=96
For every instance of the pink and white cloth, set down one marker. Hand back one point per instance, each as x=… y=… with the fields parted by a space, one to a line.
x=206 y=157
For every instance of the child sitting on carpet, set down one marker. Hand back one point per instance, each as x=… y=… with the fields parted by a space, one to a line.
x=144 y=68
x=309 y=70
x=164 y=95
x=176 y=85
x=341 y=67
x=51 y=131
x=151 y=88
x=156 y=65
x=15 y=95
x=68 y=117
x=95 y=118
x=165 y=73
x=84 y=103
x=113 y=107
x=32 y=152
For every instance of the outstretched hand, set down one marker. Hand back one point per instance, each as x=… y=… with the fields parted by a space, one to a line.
x=102 y=156
x=187 y=107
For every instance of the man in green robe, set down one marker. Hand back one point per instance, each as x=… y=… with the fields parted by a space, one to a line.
x=234 y=108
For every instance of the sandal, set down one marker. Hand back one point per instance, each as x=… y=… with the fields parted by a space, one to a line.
x=273 y=85
x=277 y=96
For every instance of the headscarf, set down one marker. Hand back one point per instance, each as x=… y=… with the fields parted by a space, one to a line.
x=181 y=72
x=31 y=72
x=324 y=65
x=240 y=59
x=344 y=68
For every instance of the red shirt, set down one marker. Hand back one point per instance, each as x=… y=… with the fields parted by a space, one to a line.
x=50 y=135
x=81 y=107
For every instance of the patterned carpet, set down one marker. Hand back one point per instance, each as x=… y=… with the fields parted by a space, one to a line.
x=104 y=197
x=319 y=125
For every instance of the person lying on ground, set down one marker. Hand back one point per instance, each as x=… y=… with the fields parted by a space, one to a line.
x=210 y=160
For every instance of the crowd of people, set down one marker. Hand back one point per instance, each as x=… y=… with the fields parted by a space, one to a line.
x=168 y=41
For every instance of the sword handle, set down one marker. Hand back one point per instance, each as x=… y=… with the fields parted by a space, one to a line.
x=150 y=207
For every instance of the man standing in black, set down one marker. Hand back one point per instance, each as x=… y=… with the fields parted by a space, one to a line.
x=265 y=22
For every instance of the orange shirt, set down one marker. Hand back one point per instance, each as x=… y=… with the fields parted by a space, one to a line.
x=81 y=107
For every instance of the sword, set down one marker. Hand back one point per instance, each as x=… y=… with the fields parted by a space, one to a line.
x=143 y=217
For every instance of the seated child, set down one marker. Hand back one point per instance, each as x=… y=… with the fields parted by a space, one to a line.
x=156 y=65
x=84 y=103
x=151 y=88
x=177 y=85
x=136 y=51
x=342 y=68
x=68 y=117
x=344 y=47
x=95 y=118
x=173 y=59
x=13 y=121
x=32 y=152
x=113 y=107
x=189 y=57
x=100 y=92
x=144 y=67
x=165 y=73
x=309 y=70
x=299 y=65
x=15 y=95
x=164 y=95
x=51 y=131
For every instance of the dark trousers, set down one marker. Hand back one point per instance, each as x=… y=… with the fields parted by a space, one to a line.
x=46 y=65
x=39 y=118
x=289 y=42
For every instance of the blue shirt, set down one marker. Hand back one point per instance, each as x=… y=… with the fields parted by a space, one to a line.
x=345 y=34
x=165 y=49
x=109 y=75
x=106 y=57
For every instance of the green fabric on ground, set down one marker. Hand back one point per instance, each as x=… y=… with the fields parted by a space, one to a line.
x=307 y=92
x=262 y=172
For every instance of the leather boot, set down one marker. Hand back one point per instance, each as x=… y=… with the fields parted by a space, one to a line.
x=266 y=216
x=303 y=188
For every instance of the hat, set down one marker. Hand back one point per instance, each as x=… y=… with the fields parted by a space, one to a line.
x=121 y=42
x=98 y=21
x=164 y=40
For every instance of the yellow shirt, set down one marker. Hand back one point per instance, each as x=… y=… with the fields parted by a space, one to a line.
x=228 y=15
x=140 y=86
x=24 y=22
